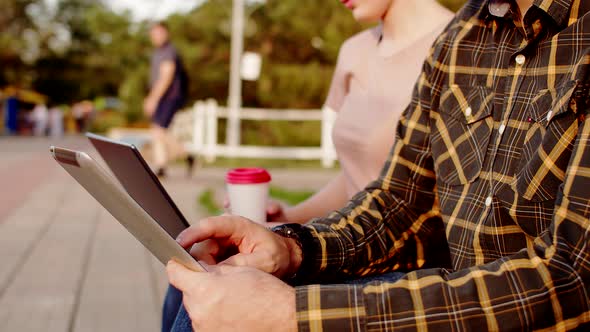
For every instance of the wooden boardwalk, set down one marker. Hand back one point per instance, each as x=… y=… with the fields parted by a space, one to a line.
x=65 y=264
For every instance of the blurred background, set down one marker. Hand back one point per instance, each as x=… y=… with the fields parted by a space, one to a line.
x=83 y=65
x=63 y=52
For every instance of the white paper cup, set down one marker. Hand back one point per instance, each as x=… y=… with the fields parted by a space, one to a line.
x=247 y=189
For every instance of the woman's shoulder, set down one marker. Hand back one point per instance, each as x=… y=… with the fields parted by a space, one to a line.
x=361 y=42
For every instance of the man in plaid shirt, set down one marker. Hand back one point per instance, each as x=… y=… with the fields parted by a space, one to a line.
x=485 y=201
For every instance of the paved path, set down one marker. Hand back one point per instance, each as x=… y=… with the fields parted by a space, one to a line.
x=65 y=263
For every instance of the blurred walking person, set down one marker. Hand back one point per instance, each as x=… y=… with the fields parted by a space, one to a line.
x=56 y=122
x=168 y=92
x=40 y=120
x=11 y=112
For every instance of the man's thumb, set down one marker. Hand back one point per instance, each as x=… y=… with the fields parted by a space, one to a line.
x=179 y=276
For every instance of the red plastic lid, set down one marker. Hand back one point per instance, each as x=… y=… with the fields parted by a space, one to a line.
x=247 y=176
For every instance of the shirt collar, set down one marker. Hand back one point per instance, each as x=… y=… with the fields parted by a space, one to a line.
x=556 y=9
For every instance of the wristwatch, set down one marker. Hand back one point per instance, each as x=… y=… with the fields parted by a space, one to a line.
x=288 y=231
x=304 y=240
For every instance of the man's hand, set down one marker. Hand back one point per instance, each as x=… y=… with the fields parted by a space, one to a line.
x=149 y=106
x=234 y=298
x=237 y=241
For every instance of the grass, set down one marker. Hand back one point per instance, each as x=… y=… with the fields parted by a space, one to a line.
x=207 y=201
x=288 y=196
x=207 y=198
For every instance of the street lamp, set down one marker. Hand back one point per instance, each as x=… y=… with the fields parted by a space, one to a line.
x=235 y=81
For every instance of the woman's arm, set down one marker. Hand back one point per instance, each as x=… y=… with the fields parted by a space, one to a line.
x=331 y=197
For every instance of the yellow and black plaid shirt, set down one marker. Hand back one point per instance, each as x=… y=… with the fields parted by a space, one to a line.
x=492 y=165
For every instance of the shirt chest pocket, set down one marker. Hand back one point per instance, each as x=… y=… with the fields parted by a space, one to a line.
x=461 y=129
x=548 y=143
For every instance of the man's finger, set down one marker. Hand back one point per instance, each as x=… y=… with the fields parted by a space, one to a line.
x=180 y=277
x=238 y=260
x=206 y=251
x=226 y=269
x=212 y=228
x=257 y=261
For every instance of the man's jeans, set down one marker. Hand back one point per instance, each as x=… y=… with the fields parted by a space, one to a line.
x=176 y=319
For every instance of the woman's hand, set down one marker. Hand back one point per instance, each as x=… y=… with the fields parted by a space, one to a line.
x=234 y=298
x=275 y=211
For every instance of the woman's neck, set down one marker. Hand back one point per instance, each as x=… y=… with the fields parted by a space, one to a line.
x=411 y=19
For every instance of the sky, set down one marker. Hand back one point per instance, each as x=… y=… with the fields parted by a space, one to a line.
x=153 y=9
x=149 y=9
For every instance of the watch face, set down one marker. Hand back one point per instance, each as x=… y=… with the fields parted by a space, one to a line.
x=284 y=231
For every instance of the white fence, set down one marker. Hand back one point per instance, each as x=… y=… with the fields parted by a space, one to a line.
x=202 y=139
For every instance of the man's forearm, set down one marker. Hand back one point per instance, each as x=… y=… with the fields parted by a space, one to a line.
x=166 y=76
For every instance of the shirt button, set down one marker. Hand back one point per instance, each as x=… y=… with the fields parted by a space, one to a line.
x=520 y=59
x=488 y=201
x=468 y=112
x=549 y=115
x=502 y=128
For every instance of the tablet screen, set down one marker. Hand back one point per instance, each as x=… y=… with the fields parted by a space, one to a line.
x=141 y=183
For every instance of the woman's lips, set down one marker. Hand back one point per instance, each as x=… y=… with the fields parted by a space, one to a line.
x=348 y=3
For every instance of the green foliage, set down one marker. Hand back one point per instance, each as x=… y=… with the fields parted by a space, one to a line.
x=294 y=85
x=131 y=94
x=207 y=201
x=106 y=120
x=108 y=55
x=453 y=4
x=290 y=197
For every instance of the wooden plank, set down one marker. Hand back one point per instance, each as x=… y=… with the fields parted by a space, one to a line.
x=43 y=295
x=118 y=293
x=39 y=170
x=20 y=232
x=159 y=281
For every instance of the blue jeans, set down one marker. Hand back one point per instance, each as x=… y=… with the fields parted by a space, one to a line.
x=176 y=319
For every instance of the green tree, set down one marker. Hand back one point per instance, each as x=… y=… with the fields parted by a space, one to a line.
x=453 y=4
x=83 y=50
x=14 y=22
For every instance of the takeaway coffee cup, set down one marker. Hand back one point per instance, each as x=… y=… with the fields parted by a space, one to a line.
x=247 y=189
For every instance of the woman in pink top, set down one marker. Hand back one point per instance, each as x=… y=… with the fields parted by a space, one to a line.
x=371 y=87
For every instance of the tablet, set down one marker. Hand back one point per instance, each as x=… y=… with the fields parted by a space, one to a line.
x=140 y=182
x=113 y=197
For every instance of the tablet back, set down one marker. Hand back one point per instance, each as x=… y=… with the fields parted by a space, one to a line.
x=140 y=182
x=105 y=189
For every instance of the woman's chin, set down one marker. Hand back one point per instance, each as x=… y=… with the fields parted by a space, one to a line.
x=363 y=17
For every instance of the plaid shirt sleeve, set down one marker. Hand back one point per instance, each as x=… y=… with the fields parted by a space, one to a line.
x=536 y=286
x=395 y=224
